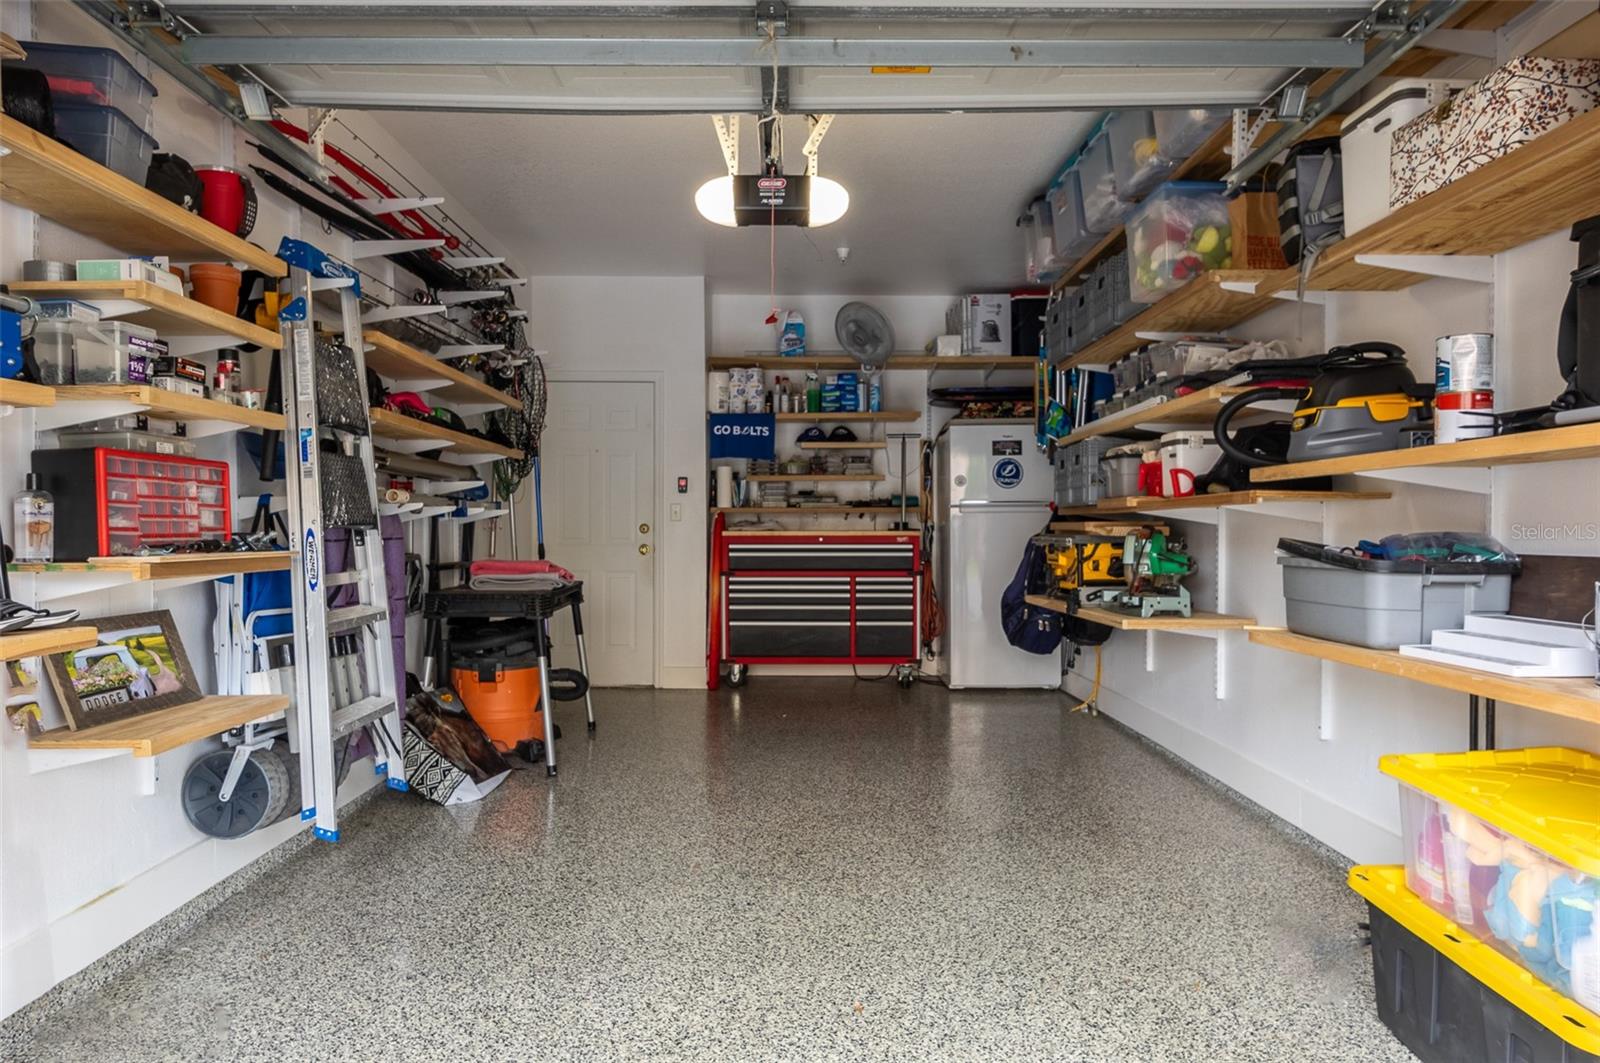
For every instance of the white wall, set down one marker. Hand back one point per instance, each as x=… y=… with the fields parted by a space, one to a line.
x=646 y=328
x=1267 y=736
x=85 y=862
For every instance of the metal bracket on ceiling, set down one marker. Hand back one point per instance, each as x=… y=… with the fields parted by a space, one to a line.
x=772 y=17
x=1246 y=129
x=319 y=120
x=150 y=15
x=819 y=129
x=727 y=126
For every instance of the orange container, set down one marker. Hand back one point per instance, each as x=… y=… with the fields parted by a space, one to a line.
x=504 y=702
x=216 y=285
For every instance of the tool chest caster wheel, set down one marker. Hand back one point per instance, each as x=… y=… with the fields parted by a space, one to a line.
x=904 y=677
x=737 y=674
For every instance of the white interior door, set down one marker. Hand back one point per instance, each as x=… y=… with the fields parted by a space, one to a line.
x=599 y=468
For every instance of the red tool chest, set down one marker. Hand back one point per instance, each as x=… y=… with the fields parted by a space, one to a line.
x=112 y=502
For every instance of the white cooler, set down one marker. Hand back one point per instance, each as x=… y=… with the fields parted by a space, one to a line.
x=1364 y=140
x=1184 y=456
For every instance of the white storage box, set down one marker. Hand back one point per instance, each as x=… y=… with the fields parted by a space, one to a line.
x=1184 y=457
x=1366 y=136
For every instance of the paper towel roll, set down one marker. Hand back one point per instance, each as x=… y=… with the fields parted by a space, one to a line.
x=717 y=391
x=724 y=486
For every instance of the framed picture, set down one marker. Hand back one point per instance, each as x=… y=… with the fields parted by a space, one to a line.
x=137 y=666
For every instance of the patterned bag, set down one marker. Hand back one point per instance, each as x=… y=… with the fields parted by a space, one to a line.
x=449 y=760
x=1519 y=102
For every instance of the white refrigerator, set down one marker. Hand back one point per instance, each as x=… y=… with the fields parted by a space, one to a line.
x=992 y=490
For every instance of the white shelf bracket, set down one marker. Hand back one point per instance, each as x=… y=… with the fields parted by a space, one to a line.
x=1325 y=701
x=1242 y=287
x=461 y=350
x=147 y=774
x=1310 y=298
x=476 y=295
x=468 y=457
x=411 y=446
x=395 y=313
x=360 y=249
x=189 y=346
x=117 y=307
x=1451 y=478
x=419 y=384
x=1149 y=651
x=328 y=284
x=472 y=261
x=1479 y=268
x=1481 y=43
x=398 y=204
x=1220 y=570
x=66 y=414
x=43 y=760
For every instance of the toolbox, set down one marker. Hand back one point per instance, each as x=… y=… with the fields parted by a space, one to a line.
x=1384 y=604
x=112 y=502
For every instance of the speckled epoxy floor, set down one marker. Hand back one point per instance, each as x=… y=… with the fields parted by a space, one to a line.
x=805 y=869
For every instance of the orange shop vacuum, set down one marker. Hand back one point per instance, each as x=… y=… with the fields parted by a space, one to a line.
x=495 y=669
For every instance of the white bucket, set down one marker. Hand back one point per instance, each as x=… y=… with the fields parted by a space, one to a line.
x=1184 y=456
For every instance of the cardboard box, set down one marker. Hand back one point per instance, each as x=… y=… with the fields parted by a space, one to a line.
x=986 y=323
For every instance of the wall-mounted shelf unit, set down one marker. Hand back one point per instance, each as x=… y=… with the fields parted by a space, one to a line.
x=833 y=444
x=386 y=424
x=157 y=732
x=56 y=182
x=1196 y=621
x=1578 y=699
x=406 y=364
x=1197 y=407
x=49 y=640
x=845 y=362
x=20 y=393
x=143 y=303
x=81 y=403
x=1202 y=305
x=54 y=580
x=833 y=478
x=882 y=416
x=1104 y=527
x=1550 y=444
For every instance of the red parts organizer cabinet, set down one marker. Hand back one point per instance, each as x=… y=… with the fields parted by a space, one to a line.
x=819 y=598
x=112 y=502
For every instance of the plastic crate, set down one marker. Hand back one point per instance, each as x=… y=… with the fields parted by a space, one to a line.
x=1123 y=308
x=1103 y=207
x=90 y=76
x=107 y=136
x=1179 y=134
x=1176 y=234
x=1449 y=998
x=1074 y=238
x=1100 y=299
x=1082 y=327
x=1506 y=845
x=1136 y=158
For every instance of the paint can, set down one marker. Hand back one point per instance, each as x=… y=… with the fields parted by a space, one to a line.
x=717 y=391
x=1464 y=362
x=1460 y=415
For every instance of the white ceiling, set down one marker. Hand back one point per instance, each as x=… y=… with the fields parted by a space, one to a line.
x=933 y=198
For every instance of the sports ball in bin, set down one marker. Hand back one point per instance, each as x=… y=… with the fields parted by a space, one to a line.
x=1175 y=235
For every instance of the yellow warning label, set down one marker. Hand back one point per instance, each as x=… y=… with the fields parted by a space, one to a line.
x=902 y=70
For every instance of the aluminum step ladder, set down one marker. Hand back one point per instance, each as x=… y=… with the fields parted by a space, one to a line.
x=343 y=661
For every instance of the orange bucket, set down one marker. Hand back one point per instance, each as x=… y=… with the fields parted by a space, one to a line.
x=502 y=698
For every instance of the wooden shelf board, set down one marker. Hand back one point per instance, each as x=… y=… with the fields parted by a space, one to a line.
x=399 y=426
x=844 y=361
x=1577 y=698
x=794 y=511
x=1542 y=187
x=1130 y=622
x=164 y=729
x=860 y=444
x=167 y=405
x=56 y=182
x=395 y=359
x=1551 y=444
x=22 y=393
x=169 y=313
x=1136 y=503
x=884 y=416
x=1197 y=407
x=49 y=640
x=833 y=478
x=1105 y=527
x=169 y=566
x=1202 y=305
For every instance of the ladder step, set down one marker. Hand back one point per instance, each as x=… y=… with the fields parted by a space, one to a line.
x=354 y=616
x=358 y=714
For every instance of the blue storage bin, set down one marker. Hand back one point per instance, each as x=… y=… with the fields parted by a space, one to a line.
x=107 y=136
x=98 y=77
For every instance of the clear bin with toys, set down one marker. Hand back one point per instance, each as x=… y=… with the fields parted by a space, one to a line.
x=1506 y=845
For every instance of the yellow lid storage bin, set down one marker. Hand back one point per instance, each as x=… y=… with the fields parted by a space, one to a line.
x=1505 y=844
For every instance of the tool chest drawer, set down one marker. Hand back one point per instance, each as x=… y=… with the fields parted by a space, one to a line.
x=883 y=554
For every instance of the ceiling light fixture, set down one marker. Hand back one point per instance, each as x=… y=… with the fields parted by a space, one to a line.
x=771 y=197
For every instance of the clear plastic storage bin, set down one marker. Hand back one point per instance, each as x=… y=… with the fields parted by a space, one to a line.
x=98 y=76
x=1038 y=242
x=1135 y=155
x=107 y=136
x=115 y=352
x=1506 y=845
x=1073 y=236
x=144 y=442
x=1103 y=208
x=1176 y=234
x=55 y=349
x=1179 y=134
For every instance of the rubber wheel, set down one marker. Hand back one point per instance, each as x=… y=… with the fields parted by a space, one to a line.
x=291 y=766
x=263 y=784
x=905 y=680
x=737 y=674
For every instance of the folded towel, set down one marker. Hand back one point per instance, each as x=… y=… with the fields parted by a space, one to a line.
x=519 y=568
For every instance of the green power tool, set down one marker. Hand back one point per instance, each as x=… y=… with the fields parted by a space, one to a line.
x=1153 y=568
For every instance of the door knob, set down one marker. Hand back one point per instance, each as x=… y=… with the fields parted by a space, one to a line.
x=644 y=548
x=644 y=529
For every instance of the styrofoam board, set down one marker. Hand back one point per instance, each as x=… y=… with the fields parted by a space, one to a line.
x=1550 y=632
x=1564 y=659
x=1495 y=665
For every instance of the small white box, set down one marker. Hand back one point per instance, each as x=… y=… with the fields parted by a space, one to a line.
x=948 y=346
x=1365 y=138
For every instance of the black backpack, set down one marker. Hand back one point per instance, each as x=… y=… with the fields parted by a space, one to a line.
x=1027 y=626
